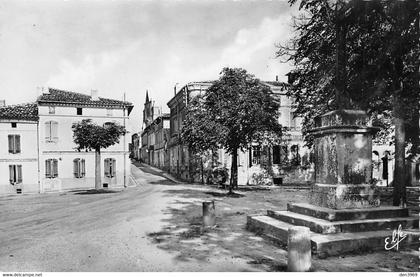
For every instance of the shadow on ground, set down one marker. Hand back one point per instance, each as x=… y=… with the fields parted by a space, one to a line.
x=185 y=236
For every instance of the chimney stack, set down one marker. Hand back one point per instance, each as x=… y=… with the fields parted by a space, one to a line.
x=2 y=103
x=94 y=94
x=277 y=78
x=42 y=90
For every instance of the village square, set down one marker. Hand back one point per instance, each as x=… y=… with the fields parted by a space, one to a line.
x=313 y=166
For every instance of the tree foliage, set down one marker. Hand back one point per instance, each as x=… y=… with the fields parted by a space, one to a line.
x=381 y=59
x=91 y=136
x=235 y=111
x=365 y=53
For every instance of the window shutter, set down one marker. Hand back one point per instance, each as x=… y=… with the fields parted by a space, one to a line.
x=48 y=168
x=250 y=156
x=106 y=168
x=54 y=130
x=113 y=173
x=55 y=168
x=83 y=167
x=17 y=143
x=11 y=148
x=19 y=174
x=76 y=169
x=11 y=174
x=48 y=130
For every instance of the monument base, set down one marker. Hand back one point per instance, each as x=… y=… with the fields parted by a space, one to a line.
x=344 y=196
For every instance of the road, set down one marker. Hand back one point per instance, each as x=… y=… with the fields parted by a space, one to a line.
x=96 y=232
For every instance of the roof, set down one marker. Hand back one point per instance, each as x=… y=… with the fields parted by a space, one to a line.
x=28 y=112
x=69 y=98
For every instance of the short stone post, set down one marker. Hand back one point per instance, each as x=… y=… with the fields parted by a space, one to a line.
x=209 y=214
x=299 y=249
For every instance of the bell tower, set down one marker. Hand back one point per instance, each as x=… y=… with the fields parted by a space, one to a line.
x=148 y=110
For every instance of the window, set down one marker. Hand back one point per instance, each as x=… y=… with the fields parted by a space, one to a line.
x=79 y=168
x=109 y=112
x=51 y=131
x=14 y=144
x=51 y=110
x=51 y=168
x=256 y=155
x=14 y=124
x=79 y=111
x=15 y=174
x=109 y=168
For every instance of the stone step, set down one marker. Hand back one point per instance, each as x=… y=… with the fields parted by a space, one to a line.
x=330 y=244
x=347 y=214
x=331 y=227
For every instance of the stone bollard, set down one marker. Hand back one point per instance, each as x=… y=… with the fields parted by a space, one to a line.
x=299 y=249
x=209 y=214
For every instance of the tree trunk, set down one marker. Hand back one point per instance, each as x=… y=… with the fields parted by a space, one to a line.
x=399 y=171
x=98 y=181
x=234 y=171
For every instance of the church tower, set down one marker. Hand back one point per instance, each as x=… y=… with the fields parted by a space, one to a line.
x=148 y=111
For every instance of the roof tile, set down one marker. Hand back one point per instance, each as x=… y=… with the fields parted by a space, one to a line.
x=20 y=112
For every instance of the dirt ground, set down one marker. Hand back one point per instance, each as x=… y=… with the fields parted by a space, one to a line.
x=155 y=226
x=184 y=236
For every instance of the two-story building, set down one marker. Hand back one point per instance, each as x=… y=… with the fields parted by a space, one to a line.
x=62 y=167
x=41 y=155
x=19 y=149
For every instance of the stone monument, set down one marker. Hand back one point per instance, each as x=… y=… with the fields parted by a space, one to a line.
x=343 y=161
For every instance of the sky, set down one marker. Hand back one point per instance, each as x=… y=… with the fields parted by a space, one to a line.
x=129 y=47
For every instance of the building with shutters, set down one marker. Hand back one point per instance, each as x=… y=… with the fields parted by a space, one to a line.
x=41 y=154
x=288 y=161
x=18 y=151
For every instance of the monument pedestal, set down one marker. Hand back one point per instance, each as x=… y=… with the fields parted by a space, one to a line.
x=343 y=161
x=343 y=212
x=344 y=196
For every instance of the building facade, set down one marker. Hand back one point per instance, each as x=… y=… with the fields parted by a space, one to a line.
x=287 y=162
x=59 y=166
x=19 y=149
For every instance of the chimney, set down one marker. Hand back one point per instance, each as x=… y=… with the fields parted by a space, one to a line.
x=2 y=103
x=94 y=94
x=277 y=78
x=42 y=90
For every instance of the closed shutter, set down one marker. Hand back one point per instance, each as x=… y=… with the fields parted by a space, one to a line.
x=83 y=168
x=19 y=174
x=76 y=169
x=11 y=146
x=106 y=168
x=48 y=168
x=11 y=174
x=17 y=143
x=113 y=168
x=54 y=130
x=55 y=168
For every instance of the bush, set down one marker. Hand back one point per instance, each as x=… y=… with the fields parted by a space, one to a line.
x=220 y=175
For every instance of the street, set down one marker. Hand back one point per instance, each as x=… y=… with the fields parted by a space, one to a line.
x=93 y=232
x=156 y=226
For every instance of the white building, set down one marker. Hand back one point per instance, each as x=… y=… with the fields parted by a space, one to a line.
x=47 y=143
x=18 y=149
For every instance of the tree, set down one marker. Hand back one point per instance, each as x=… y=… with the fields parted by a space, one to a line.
x=235 y=111
x=90 y=136
x=375 y=46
